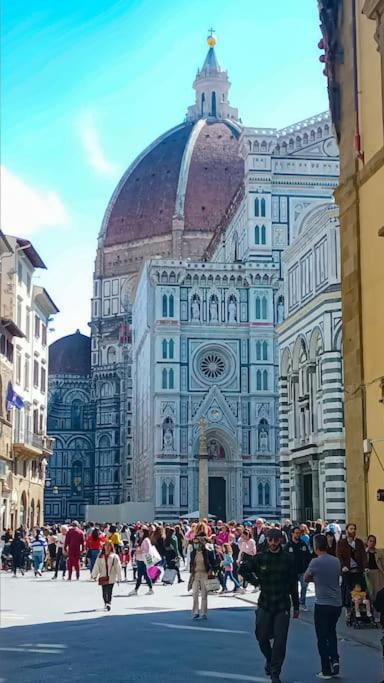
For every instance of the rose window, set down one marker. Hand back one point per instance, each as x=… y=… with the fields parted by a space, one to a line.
x=212 y=365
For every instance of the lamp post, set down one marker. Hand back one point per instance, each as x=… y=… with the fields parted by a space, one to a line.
x=203 y=471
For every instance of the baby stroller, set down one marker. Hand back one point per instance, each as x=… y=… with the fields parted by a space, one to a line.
x=359 y=606
x=6 y=558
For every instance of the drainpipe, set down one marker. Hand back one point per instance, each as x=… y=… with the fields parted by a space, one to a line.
x=357 y=140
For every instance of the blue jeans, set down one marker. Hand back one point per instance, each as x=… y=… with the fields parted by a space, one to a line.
x=303 y=589
x=229 y=575
x=93 y=554
x=38 y=560
x=142 y=574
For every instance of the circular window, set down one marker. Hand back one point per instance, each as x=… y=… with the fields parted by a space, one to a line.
x=212 y=365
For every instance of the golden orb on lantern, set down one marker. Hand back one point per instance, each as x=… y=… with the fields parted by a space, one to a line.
x=211 y=40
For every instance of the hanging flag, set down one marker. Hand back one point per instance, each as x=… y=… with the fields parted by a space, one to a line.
x=13 y=399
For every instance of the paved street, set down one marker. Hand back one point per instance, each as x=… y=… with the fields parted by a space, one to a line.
x=54 y=630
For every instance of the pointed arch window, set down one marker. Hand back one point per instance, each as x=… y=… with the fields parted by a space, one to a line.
x=165 y=306
x=258 y=308
x=258 y=350
x=171 y=379
x=265 y=351
x=171 y=348
x=213 y=103
x=171 y=493
x=257 y=206
x=257 y=234
x=202 y=103
x=258 y=380
x=260 y=492
x=164 y=492
x=265 y=380
x=263 y=237
x=171 y=306
x=165 y=348
x=116 y=477
x=76 y=415
x=262 y=207
x=267 y=494
x=164 y=378
x=264 y=308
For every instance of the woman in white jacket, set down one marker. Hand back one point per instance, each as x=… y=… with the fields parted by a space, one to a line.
x=107 y=569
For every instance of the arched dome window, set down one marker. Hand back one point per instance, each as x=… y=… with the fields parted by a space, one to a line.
x=76 y=415
x=111 y=355
x=106 y=390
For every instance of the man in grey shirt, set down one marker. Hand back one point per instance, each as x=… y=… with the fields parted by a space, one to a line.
x=325 y=572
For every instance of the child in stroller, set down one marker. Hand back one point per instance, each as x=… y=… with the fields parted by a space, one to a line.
x=360 y=613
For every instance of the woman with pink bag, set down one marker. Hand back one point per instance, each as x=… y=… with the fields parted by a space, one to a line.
x=144 y=550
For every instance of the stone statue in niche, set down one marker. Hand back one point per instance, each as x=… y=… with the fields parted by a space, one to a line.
x=263 y=440
x=195 y=309
x=232 y=311
x=213 y=312
x=168 y=438
x=280 y=310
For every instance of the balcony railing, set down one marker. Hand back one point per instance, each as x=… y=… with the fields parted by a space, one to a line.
x=32 y=442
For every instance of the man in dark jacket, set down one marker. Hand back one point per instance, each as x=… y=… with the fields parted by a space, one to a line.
x=353 y=559
x=301 y=556
x=274 y=571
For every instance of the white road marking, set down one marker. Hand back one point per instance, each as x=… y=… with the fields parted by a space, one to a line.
x=197 y=628
x=36 y=650
x=54 y=645
x=232 y=677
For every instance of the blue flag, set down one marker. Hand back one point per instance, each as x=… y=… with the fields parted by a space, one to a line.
x=13 y=399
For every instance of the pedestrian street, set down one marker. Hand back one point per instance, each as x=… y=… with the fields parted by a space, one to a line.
x=56 y=630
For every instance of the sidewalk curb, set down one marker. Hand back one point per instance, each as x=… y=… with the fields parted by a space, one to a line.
x=352 y=634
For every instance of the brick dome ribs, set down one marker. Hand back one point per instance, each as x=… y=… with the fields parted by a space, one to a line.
x=144 y=202
x=215 y=173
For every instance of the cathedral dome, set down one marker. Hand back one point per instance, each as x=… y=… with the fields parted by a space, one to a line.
x=70 y=355
x=188 y=175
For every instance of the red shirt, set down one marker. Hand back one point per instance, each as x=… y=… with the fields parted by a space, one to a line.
x=95 y=545
x=74 y=542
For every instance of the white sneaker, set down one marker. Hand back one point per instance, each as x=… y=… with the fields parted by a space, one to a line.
x=304 y=608
x=324 y=677
x=134 y=592
x=149 y=592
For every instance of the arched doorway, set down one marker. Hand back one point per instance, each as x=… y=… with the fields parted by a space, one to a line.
x=23 y=509
x=38 y=517
x=32 y=516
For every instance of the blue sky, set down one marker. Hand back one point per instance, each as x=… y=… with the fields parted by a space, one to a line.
x=87 y=84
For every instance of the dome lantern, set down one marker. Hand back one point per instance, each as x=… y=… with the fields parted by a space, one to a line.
x=211 y=87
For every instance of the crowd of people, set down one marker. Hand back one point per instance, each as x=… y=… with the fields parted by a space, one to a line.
x=276 y=560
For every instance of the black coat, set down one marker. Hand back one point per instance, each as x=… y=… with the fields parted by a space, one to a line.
x=300 y=554
x=17 y=549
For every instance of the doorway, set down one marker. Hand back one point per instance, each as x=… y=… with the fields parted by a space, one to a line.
x=307 y=511
x=217 y=497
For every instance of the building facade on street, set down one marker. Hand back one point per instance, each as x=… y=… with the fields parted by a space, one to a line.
x=208 y=195
x=31 y=307
x=70 y=480
x=312 y=471
x=355 y=30
x=9 y=333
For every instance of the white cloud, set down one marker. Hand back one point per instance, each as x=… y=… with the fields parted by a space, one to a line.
x=26 y=209
x=93 y=148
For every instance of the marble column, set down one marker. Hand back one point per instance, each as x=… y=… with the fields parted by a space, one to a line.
x=203 y=471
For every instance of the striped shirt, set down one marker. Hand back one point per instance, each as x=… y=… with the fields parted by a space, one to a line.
x=38 y=543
